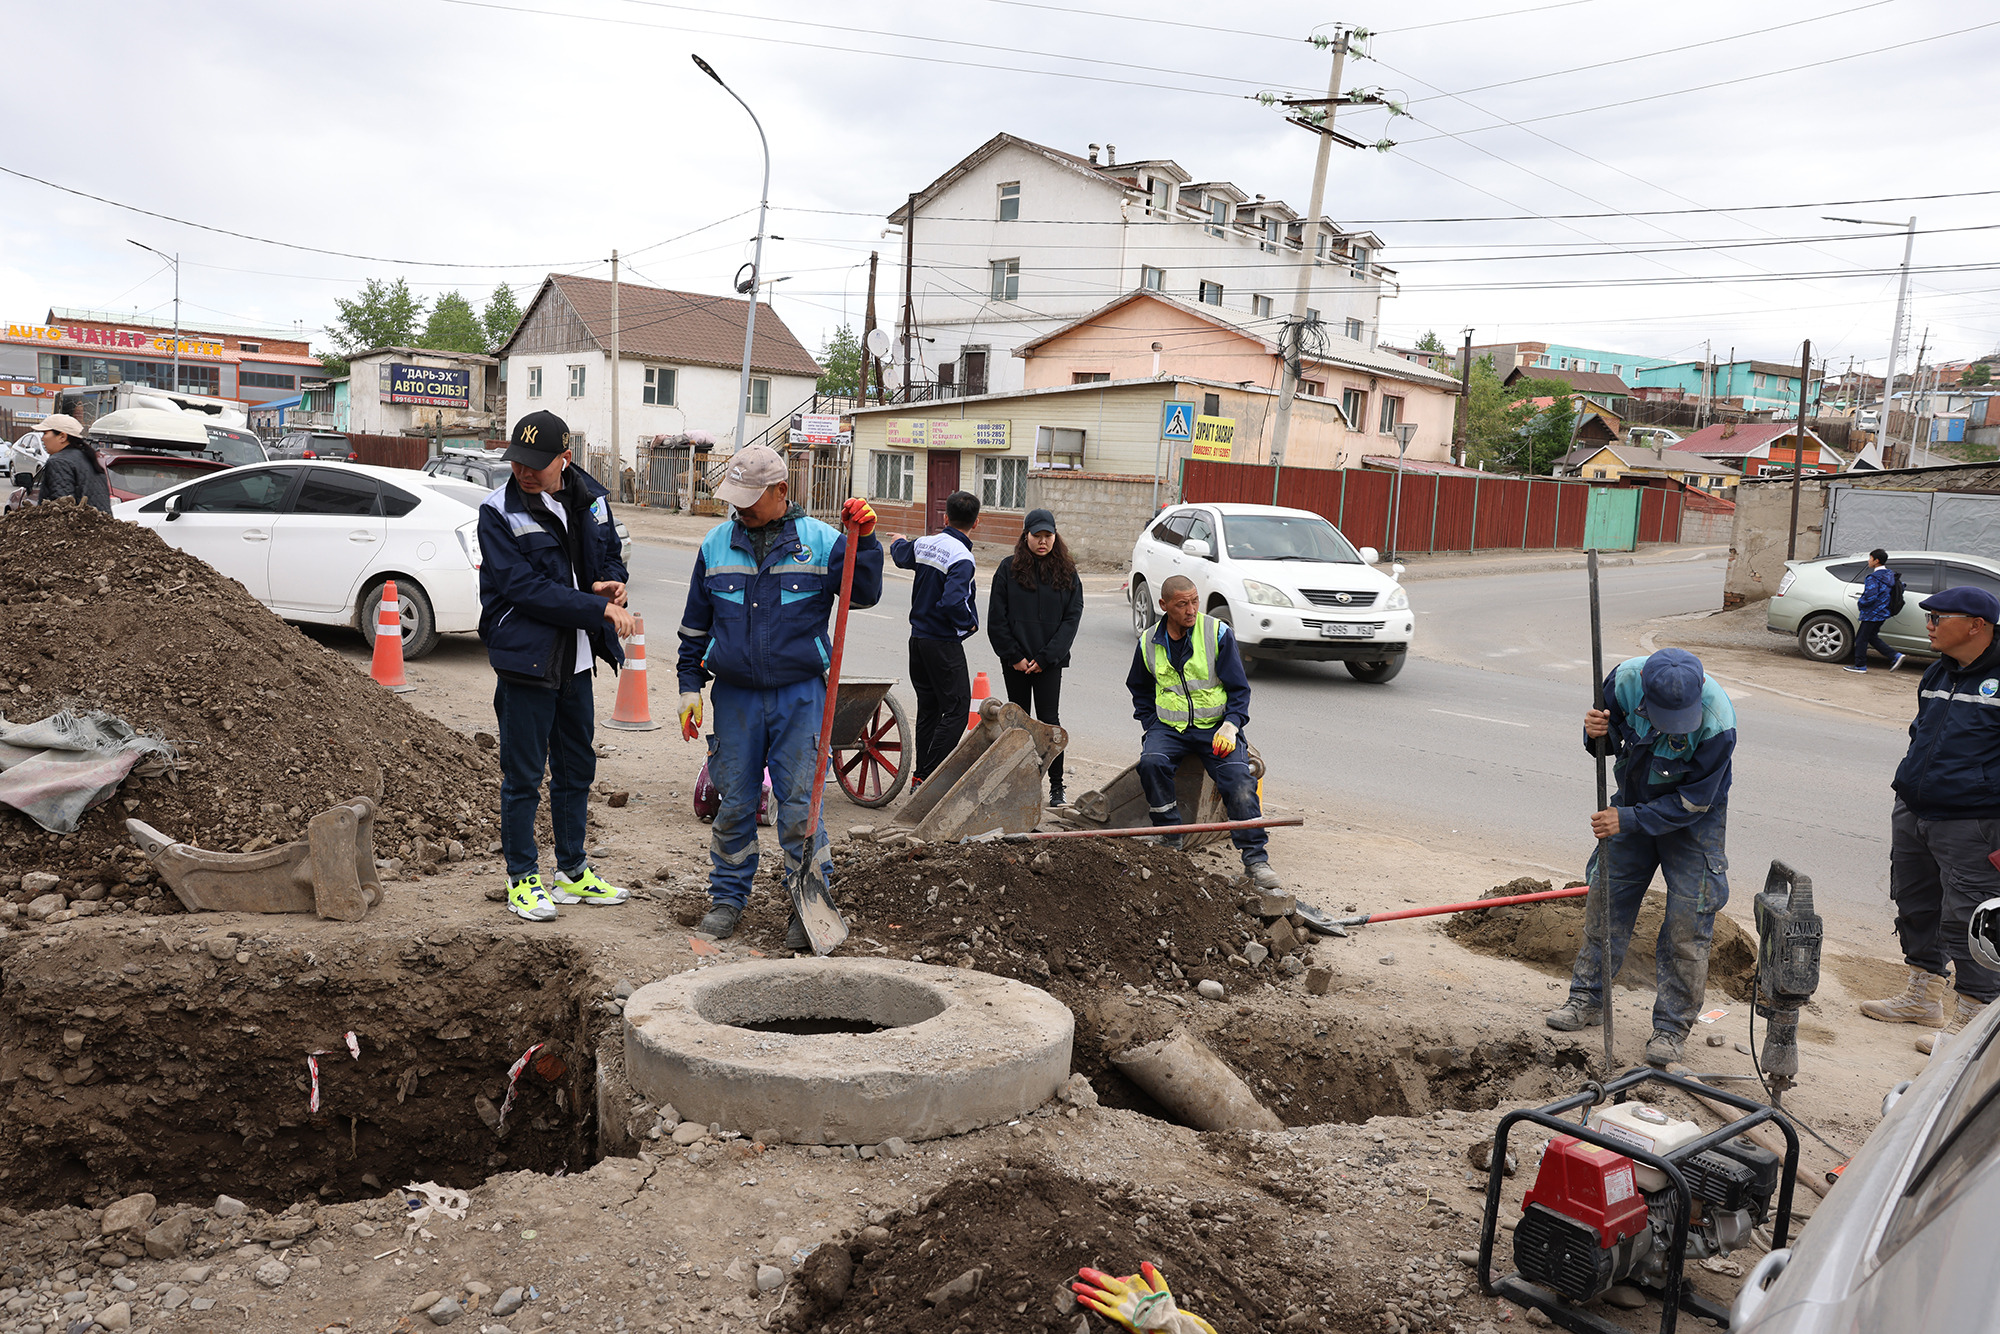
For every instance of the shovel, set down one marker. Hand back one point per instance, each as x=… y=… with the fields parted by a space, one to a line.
x=811 y=899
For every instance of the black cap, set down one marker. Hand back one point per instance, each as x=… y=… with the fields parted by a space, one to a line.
x=537 y=439
x=1964 y=601
x=1039 y=521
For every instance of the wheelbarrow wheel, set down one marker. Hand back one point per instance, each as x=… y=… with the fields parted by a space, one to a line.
x=872 y=771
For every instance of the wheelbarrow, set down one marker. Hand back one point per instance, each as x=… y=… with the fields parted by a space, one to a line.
x=872 y=750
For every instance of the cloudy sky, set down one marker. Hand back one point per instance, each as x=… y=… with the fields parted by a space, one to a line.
x=511 y=138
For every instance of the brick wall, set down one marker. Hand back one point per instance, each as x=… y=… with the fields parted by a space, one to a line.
x=1098 y=514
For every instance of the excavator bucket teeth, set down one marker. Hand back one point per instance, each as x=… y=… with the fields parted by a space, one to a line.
x=332 y=872
x=1121 y=803
x=991 y=781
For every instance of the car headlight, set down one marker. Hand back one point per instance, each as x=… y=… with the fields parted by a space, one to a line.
x=1399 y=599
x=1791 y=577
x=468 y=538
x=1263 y=595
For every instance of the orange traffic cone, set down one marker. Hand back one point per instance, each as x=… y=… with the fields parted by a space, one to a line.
x=387 y=668
x=981 y=690
x=632 y=712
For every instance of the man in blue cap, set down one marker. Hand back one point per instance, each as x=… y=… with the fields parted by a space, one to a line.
x=1946 y=820
x=1671 y=733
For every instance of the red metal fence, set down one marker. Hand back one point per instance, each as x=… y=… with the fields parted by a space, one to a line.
x=1435 y=513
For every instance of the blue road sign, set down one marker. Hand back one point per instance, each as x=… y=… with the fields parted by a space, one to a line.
x=1176 y=420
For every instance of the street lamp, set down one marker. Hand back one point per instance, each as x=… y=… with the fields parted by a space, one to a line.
x=1896 y=332
x=757 y=262
x=174 y=260
x=1405 y=432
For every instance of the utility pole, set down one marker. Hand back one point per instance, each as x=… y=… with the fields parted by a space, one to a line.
x=868 y=357
x=175 y=260
x=1895 y=331
x=1732 y=374
x=1707 y=385
x=613 y=480
x=1462 y=419
x=1916 y=385
x=1799 y=450
x=909 y=290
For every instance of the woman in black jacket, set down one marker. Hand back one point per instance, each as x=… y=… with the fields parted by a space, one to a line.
x=73 y=468
x=1031 y=618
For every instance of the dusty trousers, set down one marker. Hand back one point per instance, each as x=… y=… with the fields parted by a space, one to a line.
x=1697 y=875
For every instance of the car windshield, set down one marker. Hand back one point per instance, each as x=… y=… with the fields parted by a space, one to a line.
x=1286 y=537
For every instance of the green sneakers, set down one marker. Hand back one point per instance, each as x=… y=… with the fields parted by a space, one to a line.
x=586 y=888
x=527 y=899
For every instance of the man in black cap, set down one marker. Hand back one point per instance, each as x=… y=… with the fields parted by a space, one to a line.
x=552 y=601
x=1946 y=821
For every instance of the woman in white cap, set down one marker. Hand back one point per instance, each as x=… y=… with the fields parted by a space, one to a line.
x=73 y=469
x=1031 y=619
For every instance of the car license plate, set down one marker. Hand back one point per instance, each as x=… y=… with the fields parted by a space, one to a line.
x=1345 y=630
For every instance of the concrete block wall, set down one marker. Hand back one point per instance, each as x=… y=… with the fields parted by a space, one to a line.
x=1761 y=532
x=1098 y=514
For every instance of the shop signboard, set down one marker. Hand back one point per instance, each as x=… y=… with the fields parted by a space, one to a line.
x=1214 y=438
x=979 y=437
x=908 y=433
x=427 y=386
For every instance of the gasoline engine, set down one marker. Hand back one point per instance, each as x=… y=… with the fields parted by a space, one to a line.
x=1595 y=1217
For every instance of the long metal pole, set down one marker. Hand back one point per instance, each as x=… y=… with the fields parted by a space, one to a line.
x=757 y=260
x=177 y=324
x=909 y=293
x=1799 y=451
x=1597 y=908
x=1288 y=383
x=1895 y=341
x=1462 y=419
x=612 y=480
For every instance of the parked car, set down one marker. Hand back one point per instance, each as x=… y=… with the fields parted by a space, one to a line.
x=315 y=541
x=234 y=445
x=330 y=446
x=143 y=450
x=485 y=468
x=1284 y=580
x=1816 y=599
x=1902 y=1242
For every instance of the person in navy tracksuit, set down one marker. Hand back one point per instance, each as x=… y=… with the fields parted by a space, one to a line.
x=757 y=605
x=551 y=602
x=1872 y=609
x=944 y=613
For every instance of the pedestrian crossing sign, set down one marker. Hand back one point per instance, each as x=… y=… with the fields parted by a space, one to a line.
x=1176 y=420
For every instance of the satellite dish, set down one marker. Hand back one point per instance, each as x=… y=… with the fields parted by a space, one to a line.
x=878 y=342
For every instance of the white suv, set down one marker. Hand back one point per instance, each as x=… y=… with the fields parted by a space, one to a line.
x=1285 y=581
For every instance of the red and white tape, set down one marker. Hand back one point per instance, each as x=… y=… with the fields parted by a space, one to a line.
x=513 y=1078
x=312 y=1067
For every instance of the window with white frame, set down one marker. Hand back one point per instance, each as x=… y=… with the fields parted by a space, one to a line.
x=1260 y=305
x=1010 y=201
x=1360 y=261
x=1354 y=330
x=759 y=404
x=1312 y=313
x=1316 y=388
x=660 y=385
x=1218 y=217
x=1006 y=279
x=1354 y=406
x=894 y=476
x=1152 y=279
x=1089 y=377
x=250 y=347
x=576 y=381
x=1003 y=482
x=1059 y=447
x=1392 y=412
x=1160 y=193
x=1270 y=242
x=534 y=382
x=1211 y=293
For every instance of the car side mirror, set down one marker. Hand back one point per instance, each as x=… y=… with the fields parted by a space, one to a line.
x=1197 y=548
x=1369 y=555
x=1396 y=570
x=173 y=508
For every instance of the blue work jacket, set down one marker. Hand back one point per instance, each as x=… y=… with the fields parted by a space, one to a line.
x=1951 y=768
x=530 y=607
x=760 y=626
x=1666 y=782
x=944 y=594
x=1874 y=604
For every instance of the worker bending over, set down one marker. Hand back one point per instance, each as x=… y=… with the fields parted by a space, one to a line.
x=1671 y=733
x=1190 y=694
x=757 y=606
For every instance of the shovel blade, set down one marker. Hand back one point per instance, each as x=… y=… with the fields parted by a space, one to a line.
x=814 y=906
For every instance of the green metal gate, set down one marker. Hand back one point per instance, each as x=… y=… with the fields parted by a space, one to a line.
x=1611 y=521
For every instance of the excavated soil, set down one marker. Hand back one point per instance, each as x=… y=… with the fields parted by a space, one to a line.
x=271 y=728
x=1549 y=934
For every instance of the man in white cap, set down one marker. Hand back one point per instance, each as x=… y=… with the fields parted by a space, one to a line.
x=757 y=606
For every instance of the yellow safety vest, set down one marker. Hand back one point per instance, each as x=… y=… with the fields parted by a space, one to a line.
x=1195 y=695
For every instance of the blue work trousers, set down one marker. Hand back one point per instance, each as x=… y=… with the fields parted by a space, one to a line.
x=1160 y=760
x=544 y=728
x=1697 y=875
x=755 y=730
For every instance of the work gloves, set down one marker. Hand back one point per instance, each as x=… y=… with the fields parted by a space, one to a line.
x=690 y=715
x=1225 y=740
x=859 y=513
x=1138 y=1301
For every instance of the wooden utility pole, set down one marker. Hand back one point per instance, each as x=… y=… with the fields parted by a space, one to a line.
x=1916 y=387
x=909 y=291
x=1799 y=450
x=1461 y=428
x=868 y=357
x=611 y=482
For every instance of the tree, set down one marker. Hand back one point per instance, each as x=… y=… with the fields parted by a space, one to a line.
x=333 y=364
x=1489 y=431
x=382 y=315
x=841 y=359
x=1430 y=342
x=1977 y=374
x=501 y=316
x=454 y=326
x=1541 y=435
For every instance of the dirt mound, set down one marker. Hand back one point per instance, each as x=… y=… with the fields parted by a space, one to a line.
x=272 y=727
x=1027 y=1230
x=1549 y=933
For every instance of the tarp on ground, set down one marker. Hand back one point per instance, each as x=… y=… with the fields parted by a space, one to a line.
x=56 y=768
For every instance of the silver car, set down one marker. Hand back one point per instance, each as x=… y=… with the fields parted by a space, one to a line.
x=1816 y=599
x=1906 y=1240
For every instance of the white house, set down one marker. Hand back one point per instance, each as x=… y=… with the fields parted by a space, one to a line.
x=680 y=362
x=404 y=390
x=1018 y=240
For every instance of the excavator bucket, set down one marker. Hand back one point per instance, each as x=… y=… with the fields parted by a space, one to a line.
x=331 y=873
x=1121 y=803
x=992 y=781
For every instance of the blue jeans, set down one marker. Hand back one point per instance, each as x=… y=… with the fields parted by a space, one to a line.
x=1160 y=760
x=1697 y=875
x=755 y=730
x=540 y=727
x=1870 y=633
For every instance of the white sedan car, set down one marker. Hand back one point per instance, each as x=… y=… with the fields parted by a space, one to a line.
x=1285 y=581
x=315 y=542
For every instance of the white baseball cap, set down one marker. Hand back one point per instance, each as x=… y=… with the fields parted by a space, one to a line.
x=751 y=471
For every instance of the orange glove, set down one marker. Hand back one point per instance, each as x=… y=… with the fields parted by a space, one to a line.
x=858 y=512
x=1225 y=740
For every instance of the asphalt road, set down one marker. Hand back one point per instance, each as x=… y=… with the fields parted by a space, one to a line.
x=1477 y=745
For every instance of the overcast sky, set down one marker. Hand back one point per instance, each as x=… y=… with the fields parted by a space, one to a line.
x=540 y=134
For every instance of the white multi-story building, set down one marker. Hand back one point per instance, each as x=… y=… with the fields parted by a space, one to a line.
x=1018 y=240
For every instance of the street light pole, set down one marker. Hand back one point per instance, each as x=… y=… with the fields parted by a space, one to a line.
x=756 y=263
x=174 y=260
x=1896 y=330
x=1405 y=432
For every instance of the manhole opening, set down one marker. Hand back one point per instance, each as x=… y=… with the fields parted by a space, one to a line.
x=187 y=1077
x=820 y=1003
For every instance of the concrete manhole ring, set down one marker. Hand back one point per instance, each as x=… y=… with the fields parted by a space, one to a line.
x=958 y=1049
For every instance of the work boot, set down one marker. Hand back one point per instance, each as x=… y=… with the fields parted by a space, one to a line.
x=797 y=939
x=720 y=924
x=1262 y=877
x=1968 y=1009
x=1056 y=792
x=1573 y=1015
x=1922 y=1002
x=527 y=899
x=585 y=887
x=1665 y=1048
